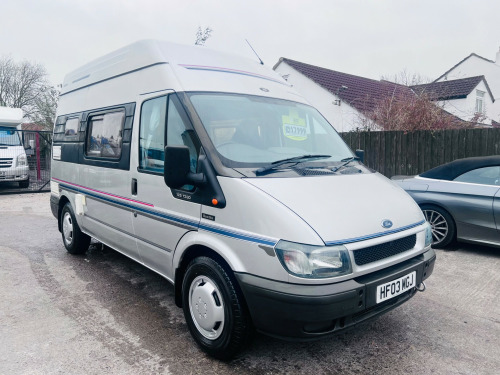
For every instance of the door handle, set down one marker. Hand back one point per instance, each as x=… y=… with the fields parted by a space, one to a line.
x=134 y=186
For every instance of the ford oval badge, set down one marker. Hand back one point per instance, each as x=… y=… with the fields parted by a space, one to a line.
x=386 y=224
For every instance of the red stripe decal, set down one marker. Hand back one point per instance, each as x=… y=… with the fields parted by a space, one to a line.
x=104 y=193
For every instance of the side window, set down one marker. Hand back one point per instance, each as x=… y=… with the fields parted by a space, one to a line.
x=105 y=132
x=152 y=135
x=485 y=176
x=178 y=132
x=71 y=127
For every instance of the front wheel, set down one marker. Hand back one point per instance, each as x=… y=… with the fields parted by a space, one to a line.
x=75 y=241
x=24 y=184
x=214 y=309
x=442 y=225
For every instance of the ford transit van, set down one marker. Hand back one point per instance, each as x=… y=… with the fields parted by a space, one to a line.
x=210 y=170
x=13 y=160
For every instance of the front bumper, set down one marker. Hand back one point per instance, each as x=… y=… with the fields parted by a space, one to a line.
x=307 y=312
x=14 y=174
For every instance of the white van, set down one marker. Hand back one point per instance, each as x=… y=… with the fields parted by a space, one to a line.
x=212 y=171
x=13 y=160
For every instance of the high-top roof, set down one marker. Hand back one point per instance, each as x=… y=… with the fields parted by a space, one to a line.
x=179 y=58
x=453 y=89
x=359 y=92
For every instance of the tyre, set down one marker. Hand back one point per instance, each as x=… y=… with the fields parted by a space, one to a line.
x=214 y=309
x=75 y=241
x=24 y=184
x=442 y=225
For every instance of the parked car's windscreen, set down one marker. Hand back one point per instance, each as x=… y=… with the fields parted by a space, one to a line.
x=9 y=137
x=250 y=130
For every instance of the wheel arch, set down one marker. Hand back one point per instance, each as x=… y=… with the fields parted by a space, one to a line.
x=192 y=246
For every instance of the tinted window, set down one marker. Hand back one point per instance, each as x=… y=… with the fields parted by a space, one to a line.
x=105 y=134
x=152 y=135
x=71 y=127
x=156 y=115
x=485 y=176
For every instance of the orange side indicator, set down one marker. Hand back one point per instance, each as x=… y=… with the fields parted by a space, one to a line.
x=215 y=201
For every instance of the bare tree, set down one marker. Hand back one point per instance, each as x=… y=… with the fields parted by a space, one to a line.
x=407 y=78
x=45 y=107
x=24 y=85
x=202 y=35
x=409 y=112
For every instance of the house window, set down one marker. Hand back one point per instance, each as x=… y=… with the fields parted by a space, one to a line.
x=105 y=135
x=479 y=101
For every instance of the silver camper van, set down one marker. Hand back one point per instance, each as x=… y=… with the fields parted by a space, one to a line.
x=212 y=171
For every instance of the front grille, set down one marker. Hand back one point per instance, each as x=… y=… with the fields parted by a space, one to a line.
x=384 y=250
x=5 y=162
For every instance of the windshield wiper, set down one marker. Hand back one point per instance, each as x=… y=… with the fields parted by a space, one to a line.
x=345 y=162
x=295 y=160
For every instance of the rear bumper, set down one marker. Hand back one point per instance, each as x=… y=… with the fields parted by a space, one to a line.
x=307 y=312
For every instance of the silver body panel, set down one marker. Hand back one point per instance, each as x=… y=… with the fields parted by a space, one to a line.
x=156 y=229
x=475 y=208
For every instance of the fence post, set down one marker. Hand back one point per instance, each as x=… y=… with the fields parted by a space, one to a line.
x=38 y=157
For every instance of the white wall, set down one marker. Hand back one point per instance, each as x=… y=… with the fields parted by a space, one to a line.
x=466 y=108
x=344 y=118
x=475 y=66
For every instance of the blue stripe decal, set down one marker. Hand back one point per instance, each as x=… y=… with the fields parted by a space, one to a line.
x=195 y=224
x=375 y=235
x=238 y=235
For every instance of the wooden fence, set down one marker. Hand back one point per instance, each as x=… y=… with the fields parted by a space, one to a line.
x=402 y=153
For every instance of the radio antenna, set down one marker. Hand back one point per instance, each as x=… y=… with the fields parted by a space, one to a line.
x=262 y=62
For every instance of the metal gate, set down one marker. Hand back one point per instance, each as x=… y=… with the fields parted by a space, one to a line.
x=28 y=171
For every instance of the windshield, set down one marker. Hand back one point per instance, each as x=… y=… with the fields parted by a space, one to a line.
x=251 y=131
x=9 y=137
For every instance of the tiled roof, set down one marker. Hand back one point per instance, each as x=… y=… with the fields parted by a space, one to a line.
x=454 y=89
x=361 y=93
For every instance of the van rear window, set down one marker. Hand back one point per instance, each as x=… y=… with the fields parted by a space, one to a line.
x=105 y=134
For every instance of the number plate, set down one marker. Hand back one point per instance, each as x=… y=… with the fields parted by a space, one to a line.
x=396 y=287
x=2 y=173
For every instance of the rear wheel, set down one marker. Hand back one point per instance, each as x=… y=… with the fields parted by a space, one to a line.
x=442 y=225
x=214 y=309
x=75 y=241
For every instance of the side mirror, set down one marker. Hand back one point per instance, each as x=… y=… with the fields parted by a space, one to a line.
x=176 y=170
x=360 y=154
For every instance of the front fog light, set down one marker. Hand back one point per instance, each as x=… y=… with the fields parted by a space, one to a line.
x=428 y=234
x=313 y=261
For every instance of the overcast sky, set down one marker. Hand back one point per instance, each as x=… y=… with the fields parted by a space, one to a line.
x=369 y=38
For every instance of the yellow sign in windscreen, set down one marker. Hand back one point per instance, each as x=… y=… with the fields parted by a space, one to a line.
x=294 y=127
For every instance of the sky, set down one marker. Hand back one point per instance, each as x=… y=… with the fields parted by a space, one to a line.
x=369 y=38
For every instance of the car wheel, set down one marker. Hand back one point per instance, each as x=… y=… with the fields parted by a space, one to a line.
x=75 y=241
x=24 y=184
x=442 y=225
x=214 y=309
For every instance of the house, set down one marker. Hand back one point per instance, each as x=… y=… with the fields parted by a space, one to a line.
x=475 y=66
x=344 y=99
x=469 y=98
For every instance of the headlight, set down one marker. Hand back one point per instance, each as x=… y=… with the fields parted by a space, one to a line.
x=428 y=234
x=313 y=261
x=21 y=160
